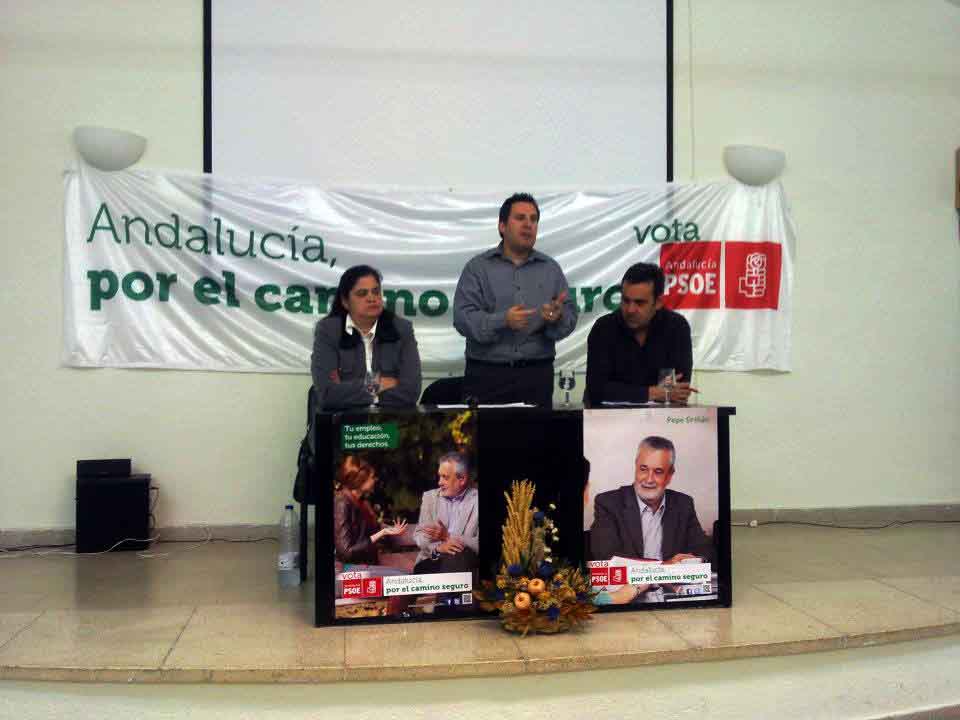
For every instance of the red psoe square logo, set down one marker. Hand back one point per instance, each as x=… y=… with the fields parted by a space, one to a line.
x=618 y=576
x=692 y=273
x=752 y=275
x=372 y=587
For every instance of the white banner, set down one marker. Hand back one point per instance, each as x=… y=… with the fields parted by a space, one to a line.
x=191 y=271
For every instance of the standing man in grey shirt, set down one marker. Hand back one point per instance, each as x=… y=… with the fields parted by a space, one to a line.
x=512 y=305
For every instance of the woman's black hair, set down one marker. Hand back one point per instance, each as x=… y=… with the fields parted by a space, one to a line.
x=347 y=281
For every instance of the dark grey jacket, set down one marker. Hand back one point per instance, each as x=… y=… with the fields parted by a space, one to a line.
x=394 y=353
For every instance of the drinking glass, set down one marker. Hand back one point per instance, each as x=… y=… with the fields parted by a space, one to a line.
x=371 y=382
x=567 y=382
x=667 y=378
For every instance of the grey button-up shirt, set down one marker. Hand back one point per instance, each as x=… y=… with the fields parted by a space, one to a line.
x=491 y=284
x=651 y=522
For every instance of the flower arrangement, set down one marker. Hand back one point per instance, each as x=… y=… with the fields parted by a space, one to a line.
x=461 y=437
x=534 y=592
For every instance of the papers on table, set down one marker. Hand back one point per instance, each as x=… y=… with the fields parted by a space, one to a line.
x=493 y=405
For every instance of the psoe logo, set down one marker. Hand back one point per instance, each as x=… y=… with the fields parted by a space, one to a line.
x=753 y=282
x=692 y=275
x=752 y=275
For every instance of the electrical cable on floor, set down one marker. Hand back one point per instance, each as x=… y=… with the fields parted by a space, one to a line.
x=895 y=523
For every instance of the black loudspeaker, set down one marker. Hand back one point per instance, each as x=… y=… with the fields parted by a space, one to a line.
x=119 y=467
x=111 y=508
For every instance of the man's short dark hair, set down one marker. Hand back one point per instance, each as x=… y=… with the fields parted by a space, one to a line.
x=656 y=442
x=644 y=273
x=515 y=198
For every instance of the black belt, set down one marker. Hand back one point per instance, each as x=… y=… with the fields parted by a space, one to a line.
x=522 y=363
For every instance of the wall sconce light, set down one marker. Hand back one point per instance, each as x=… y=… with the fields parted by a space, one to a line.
x=753 y=165
x=108 y=149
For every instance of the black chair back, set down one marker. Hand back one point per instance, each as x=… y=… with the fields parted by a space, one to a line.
x=445 y=391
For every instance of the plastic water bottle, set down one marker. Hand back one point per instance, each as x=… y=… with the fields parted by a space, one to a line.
x=288 y=560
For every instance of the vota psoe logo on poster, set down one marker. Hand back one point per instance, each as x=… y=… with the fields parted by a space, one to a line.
x=752 y=280
x=692 y=274
x=363 y=587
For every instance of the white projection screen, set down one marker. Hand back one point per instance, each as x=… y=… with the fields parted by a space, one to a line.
x=453 y=94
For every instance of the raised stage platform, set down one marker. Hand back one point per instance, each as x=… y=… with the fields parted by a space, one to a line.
x=214 y=614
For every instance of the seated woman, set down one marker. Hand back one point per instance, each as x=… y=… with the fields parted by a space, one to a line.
x=356 y=531
x=362 y=353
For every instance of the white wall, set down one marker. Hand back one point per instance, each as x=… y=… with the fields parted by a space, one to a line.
x=863 y=96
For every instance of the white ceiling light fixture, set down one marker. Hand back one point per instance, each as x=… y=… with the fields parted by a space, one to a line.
x=107 y=148
x=753 y=165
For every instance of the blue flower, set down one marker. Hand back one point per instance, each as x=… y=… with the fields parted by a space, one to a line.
x=515 y=570
x=546 y=570
x=553 y=613
x=581 y=596
x=539 y=515
x=499 y=595
x=557 y=582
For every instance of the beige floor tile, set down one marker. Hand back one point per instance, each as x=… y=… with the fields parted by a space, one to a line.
x=97 y=639
x=756 y=618
x=12 y=623
x=431 y=649
x=942 y=590
x=611 y=639
x=36 y=583
x=860 y=606
x=207 y=574
x=778 y=566
x=251 y=636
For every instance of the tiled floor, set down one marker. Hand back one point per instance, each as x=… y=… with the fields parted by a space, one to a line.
x=214 y=613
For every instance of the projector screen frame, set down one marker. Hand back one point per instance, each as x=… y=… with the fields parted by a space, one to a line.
x=208 y=87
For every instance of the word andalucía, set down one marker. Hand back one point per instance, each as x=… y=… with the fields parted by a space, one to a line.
x=219 y=241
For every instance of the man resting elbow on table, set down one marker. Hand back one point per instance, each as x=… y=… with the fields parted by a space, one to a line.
x=627 y=348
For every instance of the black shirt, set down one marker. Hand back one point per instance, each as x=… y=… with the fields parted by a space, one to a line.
x=619 y=369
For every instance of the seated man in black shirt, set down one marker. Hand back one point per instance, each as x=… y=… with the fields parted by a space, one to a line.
x=627 y=348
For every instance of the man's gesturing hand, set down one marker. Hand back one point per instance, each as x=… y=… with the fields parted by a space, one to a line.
x=451 y=547
x=679 y=394
x=553 y=310
x=436 y=532
x=518 y=316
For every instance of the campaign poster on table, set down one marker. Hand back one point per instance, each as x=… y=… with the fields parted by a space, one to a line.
x=406 y=527
x=651 y=505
